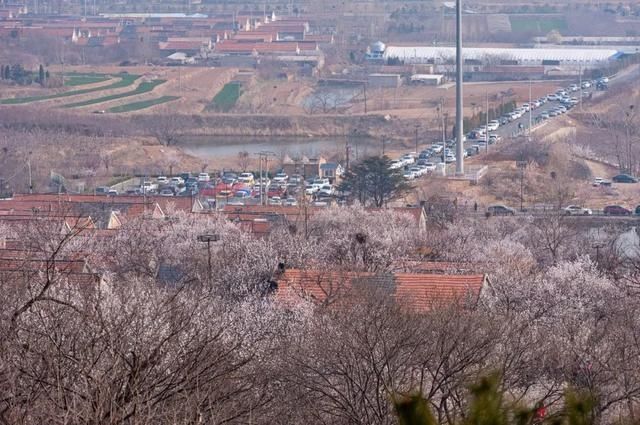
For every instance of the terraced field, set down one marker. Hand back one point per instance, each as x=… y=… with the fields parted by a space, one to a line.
x=136 y=106
x=144 y=87
x=125 y=81
x=537 y=24
x=74 y=79
x=226 y=98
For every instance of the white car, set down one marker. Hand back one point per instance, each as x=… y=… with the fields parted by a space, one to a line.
x=409 y=175
x=493 y=125
x=280 y=178
x=552 y=97
x=430 y=166
x=310 y=190
x=204 y=177
x=577 y=210
x=176 y=181
x=407 y=159
x=162 y=180
x=326 y=189
x=148 y=186
x=574 y=87
x=417 y=171
x=246 y=178
x=395 y=164
x=586 y=85
x=276 y=200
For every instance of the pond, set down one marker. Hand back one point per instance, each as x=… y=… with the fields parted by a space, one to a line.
x=230 y=146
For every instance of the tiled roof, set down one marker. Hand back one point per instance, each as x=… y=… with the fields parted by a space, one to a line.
x=415 y=291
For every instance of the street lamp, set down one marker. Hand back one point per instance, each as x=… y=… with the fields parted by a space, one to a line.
x=208 y=238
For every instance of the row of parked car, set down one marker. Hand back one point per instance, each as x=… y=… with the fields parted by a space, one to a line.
x=573 y=210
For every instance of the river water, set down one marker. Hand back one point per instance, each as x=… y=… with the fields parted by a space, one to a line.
x=230 y=146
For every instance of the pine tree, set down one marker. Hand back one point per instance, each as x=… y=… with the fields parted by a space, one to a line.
x=41 y=76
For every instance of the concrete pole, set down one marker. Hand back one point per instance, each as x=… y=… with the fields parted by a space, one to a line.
x=459 y=117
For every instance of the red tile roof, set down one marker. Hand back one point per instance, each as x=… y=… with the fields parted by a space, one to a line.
x=415 y=291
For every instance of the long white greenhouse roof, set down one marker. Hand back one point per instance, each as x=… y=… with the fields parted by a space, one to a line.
x=422 y=53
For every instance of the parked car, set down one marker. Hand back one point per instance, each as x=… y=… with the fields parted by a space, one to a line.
x=417 y=171
x=500 y=210
x=175 y=181
x=167 y=191
x=616 y=210
x=280 y=178
x=577 y=210
x=326 y=189
x=162 y=180
x=276 y=200
x=242 y=194
x=430 y=166
x=246 y=178
x=296 y=179
x=552 y=97
x=204 y=177
x=291 y=202
x=148 y=186
x=624 y=178
x=395 y=164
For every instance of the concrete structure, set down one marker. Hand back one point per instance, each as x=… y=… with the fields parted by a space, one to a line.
x=384 y=80
x=427 y=79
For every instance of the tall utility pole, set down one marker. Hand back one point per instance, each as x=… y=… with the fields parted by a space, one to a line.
x=580 y=84
x=264 y=156
x=530 y=109
x=486 y=128
x=417 y=127
x=30 y=179
x=459 y=118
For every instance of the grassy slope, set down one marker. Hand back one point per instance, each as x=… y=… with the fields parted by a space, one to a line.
x=126 y=80
x=226 y=98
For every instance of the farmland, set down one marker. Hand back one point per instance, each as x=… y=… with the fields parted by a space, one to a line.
x=136 y=106
x=144 y=87
x=537 y=24
x=73 y=79
x=226 y=98
x=125 y=81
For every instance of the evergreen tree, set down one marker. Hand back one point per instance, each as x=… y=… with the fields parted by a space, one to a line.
x=41 y=76
x=372 y=181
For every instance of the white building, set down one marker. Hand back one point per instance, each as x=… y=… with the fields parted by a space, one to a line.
x=585 y=58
